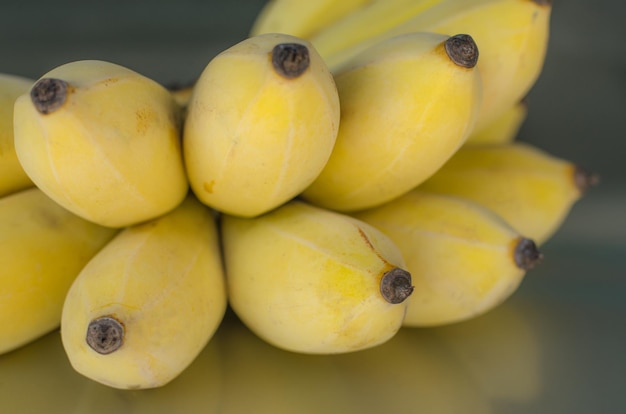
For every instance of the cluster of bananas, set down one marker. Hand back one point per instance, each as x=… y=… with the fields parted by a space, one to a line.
x=346 y=170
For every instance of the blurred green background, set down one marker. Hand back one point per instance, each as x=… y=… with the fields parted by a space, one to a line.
x=575 y=301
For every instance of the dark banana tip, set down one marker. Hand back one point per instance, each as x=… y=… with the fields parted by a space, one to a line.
x=105 y=335
x=290 y=60
x=526 y=254
x=49 y=94
x=584 y=179
x=462 y=50
x=395 y=285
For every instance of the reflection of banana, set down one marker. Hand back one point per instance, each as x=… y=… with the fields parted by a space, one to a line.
x=464 y=259
x=12 y=175
x=301 y=18
x=500 y=351
x=261 y=124
x=37 y=379
x=310 y=280
x=262 y=379
x=102 y=141
x=529 y=188
x=503 y=129
x=411 y=373
x=145 y=306
x=512 y=36
x=406 y=106
x=43 y=247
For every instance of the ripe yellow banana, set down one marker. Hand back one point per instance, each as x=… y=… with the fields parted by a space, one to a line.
x=12 y=175
x=531 y=189
x=465 y=260
x=261 y=124
x=103 y=141
x=407 y=105
x=301 y=18
x=43 y=247
x=512 y=36
x=145 y=306
x=310 y=280
x=503 y=129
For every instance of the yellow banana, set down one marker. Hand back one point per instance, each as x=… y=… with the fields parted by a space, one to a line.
x=261 y=124
x=503 y=129
x=512 y=36
x=301 y=18
x=407 y=105
x=528 y=187
x=43 y=247
x=465 y=260
x=12 y=175
x=144 y=307
x=103 y=141
x=310 y=280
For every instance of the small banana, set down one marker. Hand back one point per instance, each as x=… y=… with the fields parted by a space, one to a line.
x=301 y=19
x=465 y=260
x=12 y=175
x=503 y=129
x=512 y=36
x=261 y=124
x=146 y=305
x=528 y=187
x=43 y=247
x=310 y=280
x=407 y=105
x=103 y=141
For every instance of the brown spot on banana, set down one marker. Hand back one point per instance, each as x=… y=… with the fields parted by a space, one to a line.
x=584 y=179
x=526 y=254
x=395 y=285
x=105 y=334
x=49 y=94
x=290 y=60
x=462 y=50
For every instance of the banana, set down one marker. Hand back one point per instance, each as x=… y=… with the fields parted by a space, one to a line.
x=465 y=260
x=43 y=247
x=301 y=19
x=504 y=128
x=310 y=280
x=103 y=141
x=407 y=105
x=261 y=124
x=12 y=175
x=145 y=306
x=528 y=187
x=512 y=36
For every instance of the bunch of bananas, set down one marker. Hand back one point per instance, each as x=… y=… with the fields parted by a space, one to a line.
x=346 y=170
